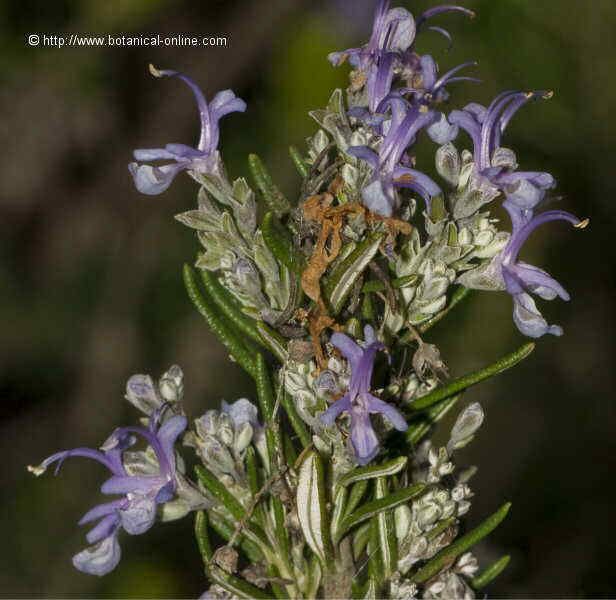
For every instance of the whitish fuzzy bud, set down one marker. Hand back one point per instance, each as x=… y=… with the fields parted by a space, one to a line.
x=505 y=157
x=320 y=141
x=467 y=565
x=448 y=164
x=217 y=455
x=402 y=519
x=440 y=465
x=207 y=424
x=242 y=438
x=428 y=516
x=140 y=392
x=171 y=384
x=449 y=585
x=225 y=429
x=467 y=423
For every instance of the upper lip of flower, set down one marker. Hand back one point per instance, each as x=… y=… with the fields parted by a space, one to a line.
x=520 y=277
x=487 y=126
x=154 y=180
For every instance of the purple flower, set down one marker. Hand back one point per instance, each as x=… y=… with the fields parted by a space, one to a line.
x=525 y=189
x=432 y=91
x=135 y=512
x=401 y=130
x=204 y=158
x=359 y=402
x=389 y=47
x=393 y=32
x=520 y=279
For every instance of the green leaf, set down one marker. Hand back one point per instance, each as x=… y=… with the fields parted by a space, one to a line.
x=296 y=423
x=281 y=532
x=460 y=384
x=375 y=560
x=372 y=508
x=226 y=530
x=273 y=197
x=339 y=509
x=220 y=492
x=312 y=508
x=370 y=589
x=219 y=325
x=278 y=590
x=235 y=585
x=448 y=555
x=238 y=512
x=360 y=539
x=229 y=306
x=273 y=341
x=387 y=468
x=203 y=539
x=435 y=531
x=280 y=244
x=419 y=428
x=315 y=574
x=367 y=309
x=340 y=283
x=266 y=403
x=239 y=587
x=386 y=532
x=254 y=483
x=298 y=161
x=357 y=493
x=490 y=573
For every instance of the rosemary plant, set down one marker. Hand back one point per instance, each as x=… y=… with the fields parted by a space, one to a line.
x=327 y=484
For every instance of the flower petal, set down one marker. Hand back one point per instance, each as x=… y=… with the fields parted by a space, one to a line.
x=376 y=199
x=139 y=515
x=442 y=131
x=145 y=154
x=103 y=528
x=364 y=440
x=529 y=320
x=349 y=348
x=364 y=153
x=102 y=510
x=101 y=558
x=168 y=434
x=130 y=484
x=376 y=405
x=330 y=415
x=184 y=151
x=241 y=411
x=154 y=180
x=140 y=392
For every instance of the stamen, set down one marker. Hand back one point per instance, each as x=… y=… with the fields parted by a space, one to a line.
x=39 y=470
x=582 y=224
x=154 y=71
x=548 y=95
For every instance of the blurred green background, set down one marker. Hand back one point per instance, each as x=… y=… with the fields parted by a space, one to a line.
x=92 y=292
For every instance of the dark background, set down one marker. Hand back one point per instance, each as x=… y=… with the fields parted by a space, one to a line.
x=92 y=292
